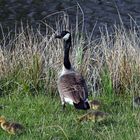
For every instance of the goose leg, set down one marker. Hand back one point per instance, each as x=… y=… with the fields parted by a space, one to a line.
x=63 y=102
x=63 y=107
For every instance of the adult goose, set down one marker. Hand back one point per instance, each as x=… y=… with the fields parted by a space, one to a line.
x=71 y=85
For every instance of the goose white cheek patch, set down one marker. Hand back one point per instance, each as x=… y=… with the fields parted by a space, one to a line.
x=66 y=37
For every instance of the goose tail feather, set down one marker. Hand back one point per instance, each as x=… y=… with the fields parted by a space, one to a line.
x=84 y=105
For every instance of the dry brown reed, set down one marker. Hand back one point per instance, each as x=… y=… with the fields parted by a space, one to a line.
x=33 y=58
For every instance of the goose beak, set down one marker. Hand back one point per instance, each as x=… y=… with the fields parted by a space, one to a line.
x=58 y=36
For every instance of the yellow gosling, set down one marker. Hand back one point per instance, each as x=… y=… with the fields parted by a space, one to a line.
x=95 y=116
x=94 y=104
x=11 y=128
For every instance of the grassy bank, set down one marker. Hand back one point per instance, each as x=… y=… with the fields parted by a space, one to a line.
x=30 y=63
x=43 y=119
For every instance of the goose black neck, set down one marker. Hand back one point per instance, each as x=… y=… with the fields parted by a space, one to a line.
x=67 y=45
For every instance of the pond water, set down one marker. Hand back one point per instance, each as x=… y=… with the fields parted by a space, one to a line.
x=96 y=12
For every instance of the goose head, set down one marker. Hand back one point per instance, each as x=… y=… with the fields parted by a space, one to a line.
x=65 y=35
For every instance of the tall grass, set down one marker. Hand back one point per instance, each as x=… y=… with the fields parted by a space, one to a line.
x=33 y=59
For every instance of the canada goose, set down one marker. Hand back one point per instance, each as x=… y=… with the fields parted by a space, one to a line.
x=95 y=116
x=11 y=128
x=71 y=85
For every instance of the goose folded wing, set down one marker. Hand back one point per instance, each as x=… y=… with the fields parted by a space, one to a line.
x=73 y=86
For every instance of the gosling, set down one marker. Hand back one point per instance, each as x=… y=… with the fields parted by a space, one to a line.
x=11 y=128
x=94 y=116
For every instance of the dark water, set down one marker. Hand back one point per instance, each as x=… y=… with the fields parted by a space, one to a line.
x=96 y=12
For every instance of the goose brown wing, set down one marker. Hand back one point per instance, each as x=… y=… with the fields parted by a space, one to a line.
x=73 y=86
